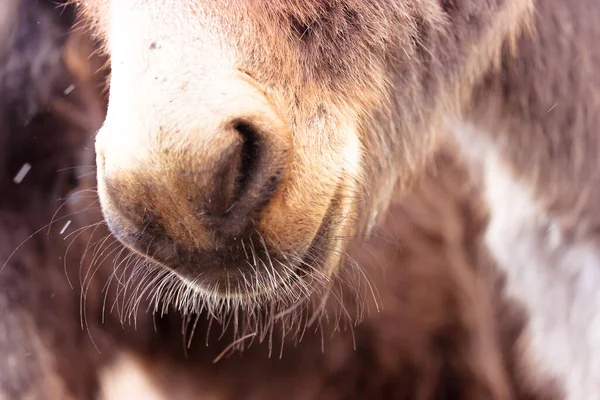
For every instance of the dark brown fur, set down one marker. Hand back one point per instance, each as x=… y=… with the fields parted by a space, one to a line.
x=45 y=352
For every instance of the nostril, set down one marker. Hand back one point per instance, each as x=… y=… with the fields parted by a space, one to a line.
x=249 y=157
x=255 y=168
x=236 y=173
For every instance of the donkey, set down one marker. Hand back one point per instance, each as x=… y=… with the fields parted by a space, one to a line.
x=247 y=141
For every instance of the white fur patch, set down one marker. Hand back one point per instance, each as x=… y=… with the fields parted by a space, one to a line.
x=557 y=281
x=128 y=379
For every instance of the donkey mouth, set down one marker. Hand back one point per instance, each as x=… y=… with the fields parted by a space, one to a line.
x=247 y=269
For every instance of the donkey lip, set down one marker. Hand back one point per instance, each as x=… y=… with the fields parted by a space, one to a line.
x=234 y=274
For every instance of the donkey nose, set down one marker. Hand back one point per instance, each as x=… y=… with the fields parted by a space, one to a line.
x=230 y=191
x=209 y=176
